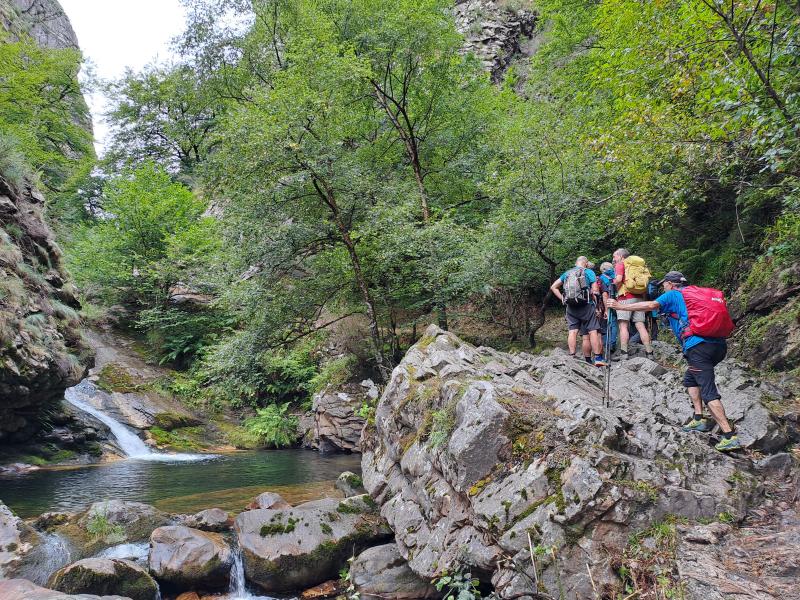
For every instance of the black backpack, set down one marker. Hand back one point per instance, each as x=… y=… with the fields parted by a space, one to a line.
x=576 y=289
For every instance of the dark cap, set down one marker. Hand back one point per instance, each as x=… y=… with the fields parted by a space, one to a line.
x=673 y=277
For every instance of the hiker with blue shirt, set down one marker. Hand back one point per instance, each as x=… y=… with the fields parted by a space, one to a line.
x=692 y=310
x=608 y=321
x=579 y=285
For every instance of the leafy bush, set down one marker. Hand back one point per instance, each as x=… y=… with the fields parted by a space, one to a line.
x=274 y=426
x=334 y=374
x=99 y=527
x=458 y=585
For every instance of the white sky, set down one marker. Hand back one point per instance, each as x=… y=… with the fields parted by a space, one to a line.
x=115 y=34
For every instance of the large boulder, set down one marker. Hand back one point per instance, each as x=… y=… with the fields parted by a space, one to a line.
x=334 y=423
x=306 y=545
x=186 y=558
x=108 y=523
x=381 y=573
x=211 y=519
x=104 y=576
x=268 y=500
x=17 y=541
x=22 y=589
x=477 y=456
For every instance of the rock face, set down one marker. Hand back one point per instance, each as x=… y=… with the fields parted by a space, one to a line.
x=22 y=589
x=381 y=573
x=103 y=576
x=334 y=424
x=474 y=450
x=300 y=547
x=768 y=330
x=183 y=558
x=44 y=20
x=495 y=31
x=17 y=541
x=41 y=350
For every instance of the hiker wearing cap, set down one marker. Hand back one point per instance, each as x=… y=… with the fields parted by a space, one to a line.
x=580 y=288
x=631 y=278
x=692 y=310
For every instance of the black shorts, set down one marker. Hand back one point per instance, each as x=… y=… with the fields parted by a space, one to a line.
x=702 y=359
x=583 y=318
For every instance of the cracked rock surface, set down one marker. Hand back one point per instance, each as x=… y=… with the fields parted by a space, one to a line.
x=479 y=457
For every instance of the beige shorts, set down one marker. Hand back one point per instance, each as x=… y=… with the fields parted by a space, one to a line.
x=625 y=315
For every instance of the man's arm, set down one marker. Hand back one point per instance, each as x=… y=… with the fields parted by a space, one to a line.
x=556 y=289
x=635 y=306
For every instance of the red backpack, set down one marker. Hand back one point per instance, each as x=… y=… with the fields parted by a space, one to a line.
x=708 y=313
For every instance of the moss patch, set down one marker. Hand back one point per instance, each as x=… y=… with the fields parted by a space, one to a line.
x=114 y=378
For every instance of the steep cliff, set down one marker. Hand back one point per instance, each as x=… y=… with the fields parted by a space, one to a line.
x=44 y=20
x=41 y=351
x=512 y=466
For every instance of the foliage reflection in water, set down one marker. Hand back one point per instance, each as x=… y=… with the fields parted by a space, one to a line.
x=226 y=482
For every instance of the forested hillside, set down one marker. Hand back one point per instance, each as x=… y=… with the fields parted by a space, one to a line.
x=307 y=166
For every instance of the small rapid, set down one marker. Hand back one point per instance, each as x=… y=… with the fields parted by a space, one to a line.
x=130 y=443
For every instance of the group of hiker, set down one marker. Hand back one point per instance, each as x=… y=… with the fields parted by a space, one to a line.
x=601 y=308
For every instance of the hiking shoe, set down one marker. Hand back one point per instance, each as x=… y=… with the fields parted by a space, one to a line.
x=588 y=359
x=648 y=355
x=728 y=444
x=600 y=362
x=701 y=425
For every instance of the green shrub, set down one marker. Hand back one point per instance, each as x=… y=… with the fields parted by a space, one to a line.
x=274 y=426
x=442 y=426
x=99 y=527
x=335 y=374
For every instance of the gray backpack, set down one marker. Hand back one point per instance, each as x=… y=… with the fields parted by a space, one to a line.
x=576 y=289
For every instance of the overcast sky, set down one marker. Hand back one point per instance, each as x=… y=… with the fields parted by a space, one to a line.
x=115 y=34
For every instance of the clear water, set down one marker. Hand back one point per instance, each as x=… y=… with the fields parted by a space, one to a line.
x=229 y=481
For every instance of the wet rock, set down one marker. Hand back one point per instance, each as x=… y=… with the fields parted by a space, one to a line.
x=17 y=541
x=382 y=573
x=333 y=425
x=22 y=589
x=268 y=500
x=329 y=589
x=473 y=450
x=18 y=469
x=350 y=484
x=105 y=576
x=181 y=557
x=306 y=545
x=211 y=519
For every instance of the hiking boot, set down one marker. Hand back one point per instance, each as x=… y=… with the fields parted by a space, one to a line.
x=600 y=362
x=701 y=425
x=587 y=359
x=728 y=444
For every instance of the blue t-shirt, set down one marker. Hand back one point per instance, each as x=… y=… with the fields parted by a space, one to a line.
x=673 y=305
x=591 y=278
x=606 y=279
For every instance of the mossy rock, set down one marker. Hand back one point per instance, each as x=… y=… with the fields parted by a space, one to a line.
x=115 y=378
x=170 y=420
x=105 y=576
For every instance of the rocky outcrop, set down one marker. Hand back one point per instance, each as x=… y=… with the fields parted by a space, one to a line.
x=186 y=558
x=495 y=31
x=300 y=547
x=105 y=576
x=480 y=459
x=767 y=314
x=334 y=425
x=381 y=573
x=22 y=589
x=350 y=484
x=44 y=20
x=41 y=350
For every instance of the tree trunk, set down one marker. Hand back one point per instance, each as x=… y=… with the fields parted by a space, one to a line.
x=361 y=282
x=441 y=310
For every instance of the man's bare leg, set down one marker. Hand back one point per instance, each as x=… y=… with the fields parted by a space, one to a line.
x=586 y=345
x=694 y=394
x=645 y=335
x=718 y=412
x=624 y=335
x=572 y=340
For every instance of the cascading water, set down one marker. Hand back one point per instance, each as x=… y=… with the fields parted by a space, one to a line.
x=129 y=442
x=50 y=553
x=238 y=586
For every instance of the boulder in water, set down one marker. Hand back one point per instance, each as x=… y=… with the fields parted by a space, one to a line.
x=350 y=484
x=17 y=541
x=381 y=573
x=182 y=557
x=268 y=500
x=306 y=545
x=211 y=519
x=105 y=576
x=22 y=589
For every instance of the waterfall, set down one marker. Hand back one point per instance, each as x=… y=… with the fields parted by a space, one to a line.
x=130 y=443
x=50 y=553
x=237 y=589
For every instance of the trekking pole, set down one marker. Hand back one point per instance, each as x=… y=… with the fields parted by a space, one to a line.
x=607 y=378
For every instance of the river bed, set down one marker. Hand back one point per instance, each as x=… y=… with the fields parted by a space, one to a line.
x=226 y=481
